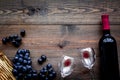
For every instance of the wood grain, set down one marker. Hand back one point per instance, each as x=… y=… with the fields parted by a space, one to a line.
x=58 y=11
x=44 y=39
x=58 y=27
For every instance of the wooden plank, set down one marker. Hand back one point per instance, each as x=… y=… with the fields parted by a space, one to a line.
x=10 y=4
x=58 y=12
x=44 y=39
x=50 y=36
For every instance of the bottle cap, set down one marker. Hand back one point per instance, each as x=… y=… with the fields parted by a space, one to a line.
x=105 y=22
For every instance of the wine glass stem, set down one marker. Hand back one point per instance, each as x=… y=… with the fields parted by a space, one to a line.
x=92 y=74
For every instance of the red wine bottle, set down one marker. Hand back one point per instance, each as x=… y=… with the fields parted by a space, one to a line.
x=109 y=67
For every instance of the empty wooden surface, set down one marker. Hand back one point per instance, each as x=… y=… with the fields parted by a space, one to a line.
x=57 y=11
x=74 y=24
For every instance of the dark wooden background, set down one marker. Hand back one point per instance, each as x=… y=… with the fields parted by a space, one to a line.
x=74 y=24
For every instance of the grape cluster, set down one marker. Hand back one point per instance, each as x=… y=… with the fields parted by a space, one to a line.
x=47 y=73
x=15 y=39
x=22 y=68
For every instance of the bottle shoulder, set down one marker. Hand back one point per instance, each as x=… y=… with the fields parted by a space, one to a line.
x=107 y=39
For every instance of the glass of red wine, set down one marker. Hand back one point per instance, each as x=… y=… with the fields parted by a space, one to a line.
x=88 y=57
x=66 y=66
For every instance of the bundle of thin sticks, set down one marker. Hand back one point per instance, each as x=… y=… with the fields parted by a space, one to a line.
x=5 y=68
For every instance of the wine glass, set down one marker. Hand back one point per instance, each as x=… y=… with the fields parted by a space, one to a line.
x=66 y=66
x=88 y=60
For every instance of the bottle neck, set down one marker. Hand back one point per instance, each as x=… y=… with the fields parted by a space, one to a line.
x=106 y=32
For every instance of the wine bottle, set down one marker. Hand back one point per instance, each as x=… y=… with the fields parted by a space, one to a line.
x=109 y=67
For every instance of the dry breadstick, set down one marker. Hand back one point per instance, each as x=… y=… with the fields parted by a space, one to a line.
x=7 y=60
x=5 y=68
x=3 y=65
x=8 y=74
x=4 y=78
x=7 y=65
